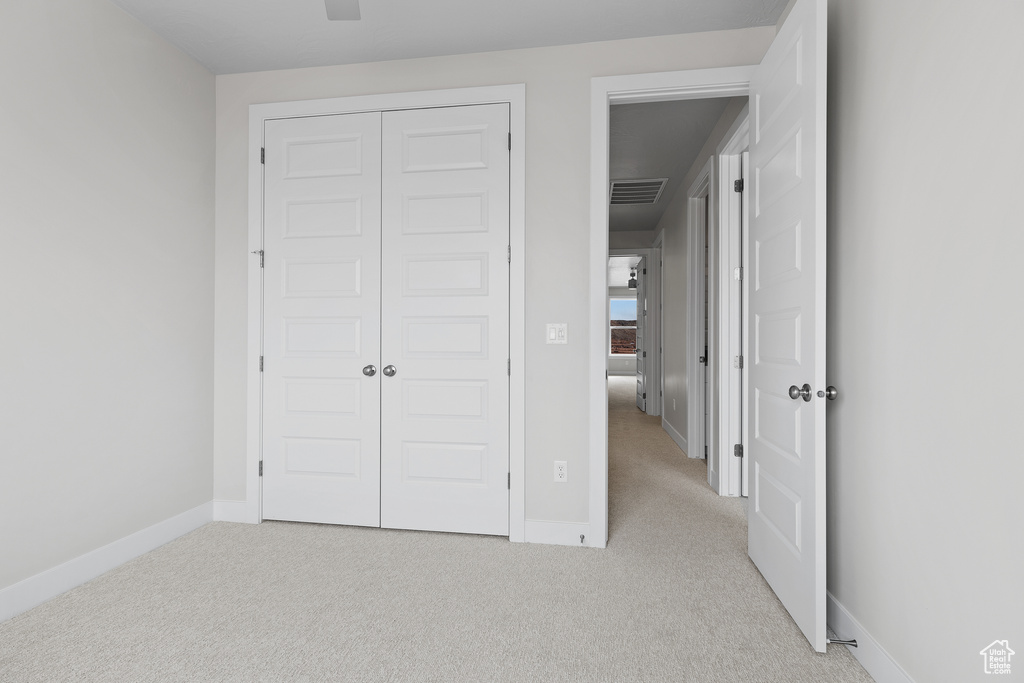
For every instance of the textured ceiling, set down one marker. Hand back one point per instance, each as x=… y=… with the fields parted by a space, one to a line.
x=656 y=140
x=232 y=36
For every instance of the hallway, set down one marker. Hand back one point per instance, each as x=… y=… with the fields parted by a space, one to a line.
x=663 y=512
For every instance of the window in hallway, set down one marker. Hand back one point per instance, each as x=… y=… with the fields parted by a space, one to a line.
x=622 y=317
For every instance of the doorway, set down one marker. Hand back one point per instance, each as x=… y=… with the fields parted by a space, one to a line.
x=786 y=303
x=634 y=291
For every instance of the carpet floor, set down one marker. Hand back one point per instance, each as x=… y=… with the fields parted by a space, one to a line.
x=673 y=598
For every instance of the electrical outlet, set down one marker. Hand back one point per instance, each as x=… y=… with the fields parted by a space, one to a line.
x=561 y=471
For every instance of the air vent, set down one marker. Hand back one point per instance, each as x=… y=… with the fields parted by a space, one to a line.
x=644 y=191
x=342 y=10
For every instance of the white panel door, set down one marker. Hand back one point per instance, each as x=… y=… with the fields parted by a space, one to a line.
x=444 y=446
x=321 y=419
x=787 y=318
x=641 y=326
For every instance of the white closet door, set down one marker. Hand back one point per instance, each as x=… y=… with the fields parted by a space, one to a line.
x=445 y=285
x=321 y=420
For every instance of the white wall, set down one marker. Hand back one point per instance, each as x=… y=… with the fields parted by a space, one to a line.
x=557 y=224
x=675 y=261
x=631 y=239
x=926 y=548
x=106 y=274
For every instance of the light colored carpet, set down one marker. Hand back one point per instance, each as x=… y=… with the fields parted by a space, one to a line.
x=673 y=598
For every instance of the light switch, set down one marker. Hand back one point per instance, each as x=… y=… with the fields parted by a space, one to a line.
x=558 y=333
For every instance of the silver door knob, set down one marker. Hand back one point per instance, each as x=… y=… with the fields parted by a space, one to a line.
x=803 y=392
x=370 y=370
x=830 y=393
x=390 y=370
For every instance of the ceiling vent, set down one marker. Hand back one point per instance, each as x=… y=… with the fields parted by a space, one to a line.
x=644 y=191
x=342 y=10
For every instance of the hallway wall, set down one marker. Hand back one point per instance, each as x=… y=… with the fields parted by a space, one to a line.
x=676 y=257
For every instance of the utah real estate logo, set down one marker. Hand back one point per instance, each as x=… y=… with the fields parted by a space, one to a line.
x=997 y=657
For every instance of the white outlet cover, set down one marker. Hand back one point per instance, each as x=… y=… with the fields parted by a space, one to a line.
x=557 y=333
x=561 y=471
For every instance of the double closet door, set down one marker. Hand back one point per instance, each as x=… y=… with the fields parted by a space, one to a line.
x=385 y=327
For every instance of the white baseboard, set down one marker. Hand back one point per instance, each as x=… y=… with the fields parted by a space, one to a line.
x=557 y=533
x=47 y=585
x=231 y=511
x=676 y=436
x=872 y=656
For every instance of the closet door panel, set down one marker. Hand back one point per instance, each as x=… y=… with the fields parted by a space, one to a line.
x=445 y=288
x=321 y=328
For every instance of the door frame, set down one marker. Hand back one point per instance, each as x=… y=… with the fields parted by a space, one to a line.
x=515 y=96
x=732 y=310
x=657 y=246
x=700 y=224
x=605 y=91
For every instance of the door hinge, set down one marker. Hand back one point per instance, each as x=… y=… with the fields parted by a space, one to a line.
x=510 y=142
x=737 y=450
x=509 y=253
x=737 y=186
x=705 y=451
x=508 y=366
x=263 y=155
x=509 y=481
x=741 y=362
x=645 y=354
x=644 y=397
x=738 y=274
x=260 y=253
x=261 y=363
x=261 y=468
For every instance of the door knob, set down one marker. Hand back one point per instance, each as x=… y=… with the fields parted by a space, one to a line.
x=796 y=392
x=830 y=393
x=370 y=370
x=390 y=370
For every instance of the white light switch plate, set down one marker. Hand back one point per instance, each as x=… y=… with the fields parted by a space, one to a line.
x=558 y=333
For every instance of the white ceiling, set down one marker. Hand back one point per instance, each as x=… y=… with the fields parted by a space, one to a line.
x=618 y=269
x=232 y=36
x=656 y=140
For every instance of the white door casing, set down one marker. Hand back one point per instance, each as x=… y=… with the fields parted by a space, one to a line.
x=641 y=337
x=729 y=309
x=700 y=212
x=321 y=418
x=445 y=326
x=786 y=515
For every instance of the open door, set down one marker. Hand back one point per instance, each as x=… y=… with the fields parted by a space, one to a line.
x=641 y=337
x=787 y=318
